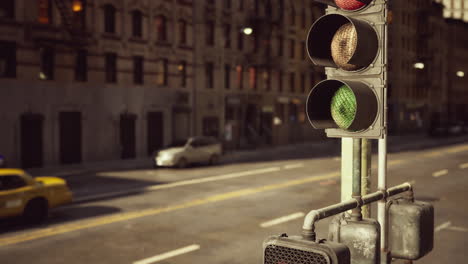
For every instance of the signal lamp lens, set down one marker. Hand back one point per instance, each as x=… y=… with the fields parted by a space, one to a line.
x=343 y=46
x=343 y=107
x=350 y=5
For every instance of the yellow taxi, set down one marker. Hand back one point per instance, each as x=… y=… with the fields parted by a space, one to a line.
x=23 y=195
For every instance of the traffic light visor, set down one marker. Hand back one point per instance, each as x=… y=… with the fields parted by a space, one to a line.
x=342 y=42
x=348 y=105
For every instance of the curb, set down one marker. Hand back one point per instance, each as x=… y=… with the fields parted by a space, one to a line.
x=238 y=156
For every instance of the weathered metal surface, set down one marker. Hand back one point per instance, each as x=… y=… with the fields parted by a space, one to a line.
x=294 y=249
x=361 y=237
x=411 y=230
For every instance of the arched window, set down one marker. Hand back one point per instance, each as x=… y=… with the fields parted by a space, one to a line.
x=161 y=28
x=137 y=23
x=182 y=31
x=109 y=18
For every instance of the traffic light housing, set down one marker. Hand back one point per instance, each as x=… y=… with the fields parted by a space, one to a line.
x=350 y=42
x=295 y=250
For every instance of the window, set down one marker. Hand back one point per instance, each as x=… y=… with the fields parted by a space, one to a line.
x=81 y=66
x=7 y=59
x=240 y=77
x=267 y=79
x=210 y=34
x=137 y=24
x=209 y=76
x=303 y=19
x=240 y=41
x=312 y=80
x=10 y=182
x=138 y=70
x=303 y=83
x=44 y=11
x=227 y=36
x=280 y=81
x=162 y=75
x=183 y=73
x=227 y=76
x=109 y=19
x=255 y=43
x=292 y=47
x=47 y=64
x=182 y=31
x=303 y=50
x=253 y=78
x=280 y=46
x=79 y=14
x=291 y=82
x=111 y=67
x=161 y=28
x=292 y=18
x=7 y=9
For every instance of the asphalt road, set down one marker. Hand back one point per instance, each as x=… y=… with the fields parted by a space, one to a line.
x=222 y=214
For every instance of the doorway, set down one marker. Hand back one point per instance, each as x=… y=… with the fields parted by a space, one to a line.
x=70 y=137
x=155 y=132
x=31 y=141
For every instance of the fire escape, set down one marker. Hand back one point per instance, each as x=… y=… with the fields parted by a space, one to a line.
x=71 y=32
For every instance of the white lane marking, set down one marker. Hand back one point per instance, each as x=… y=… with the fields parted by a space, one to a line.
x=293 y=166
x=457 y=228
x=439 y=173
x=282 y=219
x=463 y=166
x=180 y=183
x=169 y=254
x=442 y=226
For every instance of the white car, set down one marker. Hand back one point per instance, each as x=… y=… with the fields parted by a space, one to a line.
x=192 y=150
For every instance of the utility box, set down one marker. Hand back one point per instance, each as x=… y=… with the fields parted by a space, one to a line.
x=362 y=238
x=295 y=250
x=411 y=228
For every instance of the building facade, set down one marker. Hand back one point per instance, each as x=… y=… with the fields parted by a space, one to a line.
x=423 y=48
x=84 y=81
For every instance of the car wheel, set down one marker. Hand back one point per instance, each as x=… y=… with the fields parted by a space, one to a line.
x=36 y=211
x=182 y=163
x=214 y=159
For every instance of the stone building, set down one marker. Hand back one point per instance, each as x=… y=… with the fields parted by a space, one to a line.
x=421 y=54
x=84 y=81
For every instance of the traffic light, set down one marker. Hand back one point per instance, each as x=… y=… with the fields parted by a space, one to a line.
x=350 y=42
x=295 y=250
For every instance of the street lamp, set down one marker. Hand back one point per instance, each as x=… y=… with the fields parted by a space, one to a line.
x=460 y=74
x=247 y=30
x=418 y=65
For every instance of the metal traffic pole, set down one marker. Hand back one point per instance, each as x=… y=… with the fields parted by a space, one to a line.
x=381 y=210
x=366 y=158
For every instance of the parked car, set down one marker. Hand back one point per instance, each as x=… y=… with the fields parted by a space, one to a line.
x=23 y=195
x=192 y=150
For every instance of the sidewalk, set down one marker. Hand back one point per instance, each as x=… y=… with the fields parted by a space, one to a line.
x=395 y=144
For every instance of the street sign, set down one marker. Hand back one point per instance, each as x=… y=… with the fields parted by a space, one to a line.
x=350 y=42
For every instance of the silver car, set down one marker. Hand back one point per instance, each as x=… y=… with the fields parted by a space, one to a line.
x=192 y=150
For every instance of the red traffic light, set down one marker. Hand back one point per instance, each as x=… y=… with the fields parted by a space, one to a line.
x=351 y=5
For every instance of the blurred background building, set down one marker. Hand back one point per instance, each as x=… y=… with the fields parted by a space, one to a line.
x=84 y=81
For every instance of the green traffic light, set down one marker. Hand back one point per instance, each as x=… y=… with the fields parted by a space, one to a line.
x=343 y=107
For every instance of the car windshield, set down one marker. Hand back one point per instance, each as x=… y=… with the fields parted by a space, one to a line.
x=178 y=143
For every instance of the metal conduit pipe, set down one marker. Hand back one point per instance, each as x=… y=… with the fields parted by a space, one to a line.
x=308 y=228
x=356 y=214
